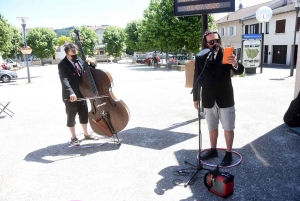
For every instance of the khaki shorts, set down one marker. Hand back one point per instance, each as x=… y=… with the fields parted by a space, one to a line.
x=225 y=115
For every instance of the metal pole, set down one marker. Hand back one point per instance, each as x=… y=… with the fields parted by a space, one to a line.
x=262 y=52
x=15 y=49
x=204 y=23
x=28 y=72
x=293 y=46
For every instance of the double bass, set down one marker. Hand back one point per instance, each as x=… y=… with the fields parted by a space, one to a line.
x=108 y=115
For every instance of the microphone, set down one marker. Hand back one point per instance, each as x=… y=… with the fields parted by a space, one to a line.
x=212 y=50
x=207 y=50
x=203 y=52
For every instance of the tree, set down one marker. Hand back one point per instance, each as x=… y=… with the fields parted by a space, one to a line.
x=148 y=31
x=63 y=39
x=132 y=36
x=42 y=41
x=161 y=30
x=16 y=42
x=115 y=39
x=89 y=40
x=63 y=31
x=6 y=36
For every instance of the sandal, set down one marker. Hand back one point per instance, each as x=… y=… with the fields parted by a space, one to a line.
x=91 y=137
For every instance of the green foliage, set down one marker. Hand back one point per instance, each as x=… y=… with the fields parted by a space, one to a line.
x=16 y=42
x=6 y=36
x=132 y=36
x=160 y=30
x=64 y=31
x=243 y=75
x=115 y=39
x=89 y=40
x=42 y=41
x=63 y=39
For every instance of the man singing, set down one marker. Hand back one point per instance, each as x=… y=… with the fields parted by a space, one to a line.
x=217 y=94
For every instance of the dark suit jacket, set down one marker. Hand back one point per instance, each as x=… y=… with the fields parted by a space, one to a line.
x=215 y=81
x=69 y=78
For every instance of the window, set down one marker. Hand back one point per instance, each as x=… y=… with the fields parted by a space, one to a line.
x=232 y=31
x=254 y=29
x=222 y=32
x=246 y=29
x=267 y=27
x=280 y=26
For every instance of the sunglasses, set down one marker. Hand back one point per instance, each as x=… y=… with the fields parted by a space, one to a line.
x=212 y=42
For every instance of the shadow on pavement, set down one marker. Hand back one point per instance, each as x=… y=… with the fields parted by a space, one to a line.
x=278 y=66
x=60 y=152
x=269 y=170
x=154 y=138
x=30 y=77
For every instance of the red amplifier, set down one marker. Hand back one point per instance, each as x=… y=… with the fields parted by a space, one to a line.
x=219 y=183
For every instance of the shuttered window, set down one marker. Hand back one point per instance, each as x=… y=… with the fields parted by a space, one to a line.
x=232 y=31
x=222 y=32
x=280 y=26
x=254 y=29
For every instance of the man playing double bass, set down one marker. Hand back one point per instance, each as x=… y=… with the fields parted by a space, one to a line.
x=70 y=71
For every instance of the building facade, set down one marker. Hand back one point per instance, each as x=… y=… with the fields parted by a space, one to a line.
x=278 y=32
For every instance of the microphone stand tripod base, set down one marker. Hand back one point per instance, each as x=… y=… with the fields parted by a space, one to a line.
x=199 y=167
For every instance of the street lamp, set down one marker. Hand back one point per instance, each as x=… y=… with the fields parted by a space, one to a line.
x=297 y=4
x=23 y=21
x=263 y=15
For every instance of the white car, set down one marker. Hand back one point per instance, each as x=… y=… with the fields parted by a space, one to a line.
x=11 y=63
x=7 y=75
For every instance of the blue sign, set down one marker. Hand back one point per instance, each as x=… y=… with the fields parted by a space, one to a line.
x=252 y=36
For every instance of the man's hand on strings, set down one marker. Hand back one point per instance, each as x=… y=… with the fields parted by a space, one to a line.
x=90 y=61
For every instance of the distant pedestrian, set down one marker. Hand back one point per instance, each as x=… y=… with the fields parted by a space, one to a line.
x=172 y=61
x=155 y=61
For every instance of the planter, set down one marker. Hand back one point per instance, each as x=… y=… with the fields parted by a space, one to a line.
x=26 y=51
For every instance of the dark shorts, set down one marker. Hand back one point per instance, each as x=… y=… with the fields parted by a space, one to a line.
x=72 y=108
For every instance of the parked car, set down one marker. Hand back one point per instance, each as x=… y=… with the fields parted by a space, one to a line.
x=181 y=59
x=4 y=66
x=149 y=60
x=10 y=62
x=7 y=75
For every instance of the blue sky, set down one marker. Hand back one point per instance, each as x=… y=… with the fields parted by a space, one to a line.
x=65 y=13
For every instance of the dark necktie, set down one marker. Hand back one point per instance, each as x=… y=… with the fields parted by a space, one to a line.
x=77 y=69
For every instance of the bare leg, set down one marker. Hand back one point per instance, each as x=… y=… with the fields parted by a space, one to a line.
x=229 y=135
x=213 y=134
x=84 y=127
x=72 y=130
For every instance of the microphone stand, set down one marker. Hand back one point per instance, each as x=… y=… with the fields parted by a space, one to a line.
x=199 y=165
